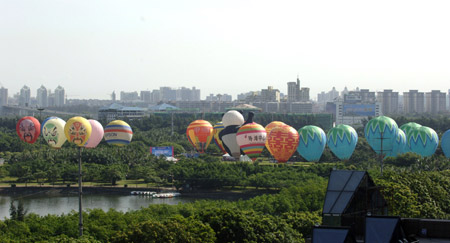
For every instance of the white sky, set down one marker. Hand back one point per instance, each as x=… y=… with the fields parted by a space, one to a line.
x=93 y=47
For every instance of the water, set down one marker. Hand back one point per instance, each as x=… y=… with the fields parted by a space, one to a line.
x=63 y=204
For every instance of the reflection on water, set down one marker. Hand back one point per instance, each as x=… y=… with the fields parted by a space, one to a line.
x=45 y=204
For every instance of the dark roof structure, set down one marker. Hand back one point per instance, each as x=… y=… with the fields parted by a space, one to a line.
x=118 y=107
x=324 y=234
x=384 y=229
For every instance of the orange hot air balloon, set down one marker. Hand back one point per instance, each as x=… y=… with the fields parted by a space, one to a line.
x=200 y=134
x=283 y=142
x=216 y=130
x=269 y=128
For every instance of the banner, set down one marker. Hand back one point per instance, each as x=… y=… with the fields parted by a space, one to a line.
x=165 y=151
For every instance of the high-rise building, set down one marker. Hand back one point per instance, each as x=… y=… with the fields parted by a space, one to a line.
x=294 y=91
x=413 y=102
x=42 y=97
x=25 y=96
x=388 y=101
x=435 y=102
x=60 y=96
x=168 y=94
x=270 y=94
x=304 y=94
x=3 y=96
x=146 y=96
x=129 y=96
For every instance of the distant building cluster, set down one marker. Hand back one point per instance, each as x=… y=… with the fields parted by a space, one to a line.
x=44 y=97
x=163 y=94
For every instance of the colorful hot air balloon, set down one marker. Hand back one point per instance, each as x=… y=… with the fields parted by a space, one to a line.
x=399 y=146
x=283 y=142
x=77 y=130
x=312 y=141
x=445 y=143
x=406 y=128
x=342 y=141
x=200 y=134
x=216 y=130
x=231 y=121
x=269 y=128
x=46 y=119
x=28 y=128
x=53 y=132
x=96 y=134
x=423 y=141
x=381 y=133
x=118 y=133
x=251 y=138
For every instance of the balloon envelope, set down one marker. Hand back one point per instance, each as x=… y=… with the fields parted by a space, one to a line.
x=200 y=134
x=232 y=118
x=28 y=128
x=53 y=132
x=423 y=141
x=342 y=141
x=216 y=130
x=445 y=143
x=399 y=146
x=46 y=119
x=118 y=133
x=283 y=142
x=251 y=138
x=77 y=130
x=96 y=134
x=406 y=128
x=269 y=128
x=381 y=133
x=312 y=141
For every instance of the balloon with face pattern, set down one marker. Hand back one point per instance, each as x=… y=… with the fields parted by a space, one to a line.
x=53 y=132
x=78 y=130
x=28 y=128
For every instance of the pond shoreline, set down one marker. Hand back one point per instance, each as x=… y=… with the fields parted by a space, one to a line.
x=73 y=190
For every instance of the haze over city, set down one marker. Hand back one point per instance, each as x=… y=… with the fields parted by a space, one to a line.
x=93 y=48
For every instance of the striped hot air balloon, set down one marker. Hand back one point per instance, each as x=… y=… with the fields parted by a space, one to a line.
x=200 y=134
x=216 y=130
x=118 y=133
x=251 y=138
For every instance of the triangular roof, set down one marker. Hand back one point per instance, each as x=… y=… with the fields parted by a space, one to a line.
x=163 y=107
x=245 y=107
x=326 y=234
x=383 y=229
x=341 y=187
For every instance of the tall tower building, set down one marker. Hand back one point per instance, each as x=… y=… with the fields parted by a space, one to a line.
x=41 y=96
x=294 y=91
x=435 y=102
x=3 y=96
x=413 y=102
x=25 y=96
x=388 y=101
x=60 y=96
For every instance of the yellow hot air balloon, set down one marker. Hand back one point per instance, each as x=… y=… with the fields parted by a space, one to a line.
x=78 y=130
x=200 y=134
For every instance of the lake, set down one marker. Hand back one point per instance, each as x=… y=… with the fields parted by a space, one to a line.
x=59 y=204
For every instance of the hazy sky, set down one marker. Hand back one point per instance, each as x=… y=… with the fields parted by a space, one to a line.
x=92 y=48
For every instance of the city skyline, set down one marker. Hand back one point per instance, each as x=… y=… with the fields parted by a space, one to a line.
x=93 y=48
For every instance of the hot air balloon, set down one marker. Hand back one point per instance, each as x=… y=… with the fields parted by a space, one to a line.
x=53 y=132
x=231 y=121
x=96 y=134
x=399 y=146
x=406 y=128
x=445 y=143
x=312 y=141
x=381 y=133
x=77 y=130
x=118 y=133
x=283 y=142
x=342 y=141
x=200 y=134
x=269 y=128
x=216 y=130
x=423 y=141
x=251 y=138
x=28 y=128
x=46 y=119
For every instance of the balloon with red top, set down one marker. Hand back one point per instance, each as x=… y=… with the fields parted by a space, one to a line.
x=28 y=128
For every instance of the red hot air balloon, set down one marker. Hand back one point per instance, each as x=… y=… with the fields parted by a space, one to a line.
x=283 y=142
x=200 y=134
x=28 y=128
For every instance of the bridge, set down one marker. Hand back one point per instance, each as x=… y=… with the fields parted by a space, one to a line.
x=7 y=110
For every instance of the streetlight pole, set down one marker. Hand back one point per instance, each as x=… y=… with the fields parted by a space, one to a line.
x=40 y=109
